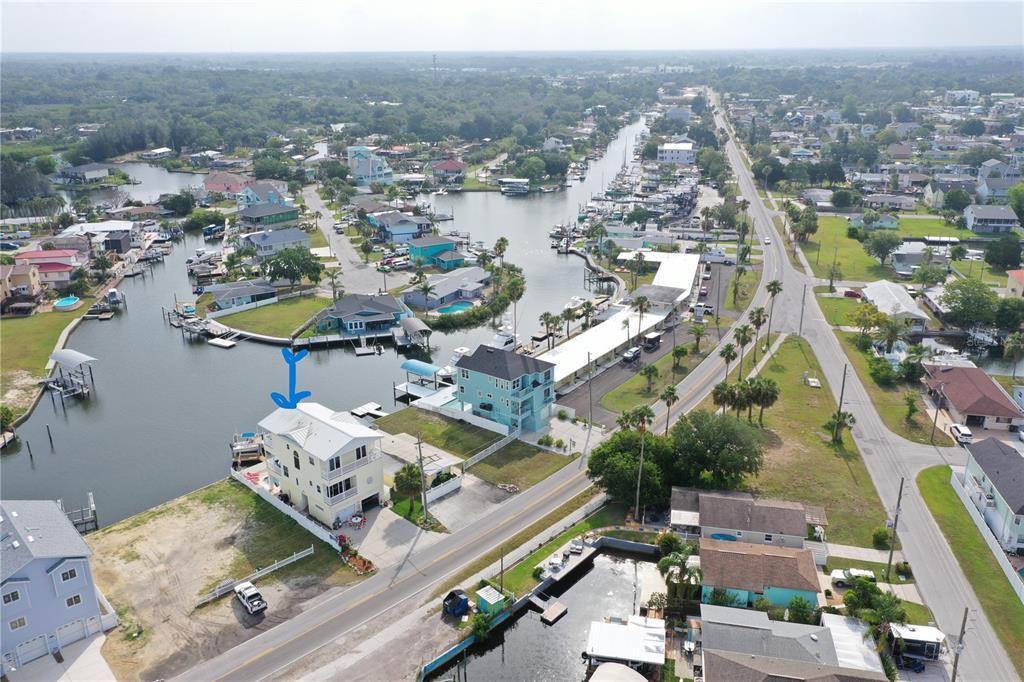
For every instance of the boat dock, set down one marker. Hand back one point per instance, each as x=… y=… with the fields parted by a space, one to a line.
x=552 y=613
x=368 y=410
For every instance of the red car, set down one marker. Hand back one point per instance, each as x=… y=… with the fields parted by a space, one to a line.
x=852 y=293
x=703 y=291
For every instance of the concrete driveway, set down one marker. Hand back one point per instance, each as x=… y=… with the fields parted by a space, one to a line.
x=387 y=539
x=474 y=499
x=83 y=662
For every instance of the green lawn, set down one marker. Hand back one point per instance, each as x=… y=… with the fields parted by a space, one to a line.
x=856 y=264
x=520 y=464
x=918 y=614
x=734 y=368
x=890 y=401
x=979 y=269
x=837 y=310
x=411 y=509
x=878 y=568
x=1004 y=610
x=932 y=227
x=748 y=285
x=801 y=463
x=459 y=438
x=27 y=343
x=280 y=319
x=317 y=239
x=633 y=391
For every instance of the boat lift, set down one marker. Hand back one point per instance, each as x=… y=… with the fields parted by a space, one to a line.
x=70 y=380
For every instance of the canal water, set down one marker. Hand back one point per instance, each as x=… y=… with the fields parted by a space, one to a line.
x=153 y=181
x=165 y=409
x=526 y=649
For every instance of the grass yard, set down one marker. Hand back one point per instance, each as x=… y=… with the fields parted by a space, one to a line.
x=932 y=227
x=317 y=239
x=878 y=568
x=837 y=310
x=520 y=464
x=633 y=391
x=748 y=285
x=979 y=269
x=804 y=465
x=918 y=614
x=1004 y=610
x=281 y=319
x=890 y=401
x=856 y=264
x=780 y=227
x=734 y=368
x=411 y=509
x=459 y=438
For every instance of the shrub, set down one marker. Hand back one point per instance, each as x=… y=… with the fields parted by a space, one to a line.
x=903 y=568
x=882 y=372
x=762 y=604
x=889 y=666
x=854 y=233
x=545 y=441
x=562 y=415
x=776 y=613
x=668 y=542
x=828 y=592
x=442 y=477
x=560 y=444
x=538 y=571
x=880 y=537
x=863 y=343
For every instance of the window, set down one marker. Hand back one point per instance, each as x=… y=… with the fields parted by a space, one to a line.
x=767 y=537
x=69 y=574
x=73 y=600
x=462 y=389
x=739 y=533
x=18 y=623
x=311 y=460
x=12 y=597
x=285 y=470
x=340 y=487
x=334 y=463
x=295 y=458
x=360 y=452
x=464 y=373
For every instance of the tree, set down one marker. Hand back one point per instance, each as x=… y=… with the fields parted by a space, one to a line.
x=515 y=290
x=550 y=320
x=1010 y=313
x=698 y=331
x=641 y=304
x=774 y=289
x=882 y=243
x=837 y=422
x=366 y=246
x=889 y=330
x=337 y=290
x=843 y=198
x=970 y=302
x=101 y=265
x=743 y=336
x=293 y=265
x=6 y=418
x=650 y=372
x=958 y=252
x=669 y=397
x=45 y=165
x=929 y=275
x=912 y=409
x=587 y=311
x=723 y=395
x=681 y=578
x=979 y=154
x=500 y=247
x=766 y=394
x=409 y=483
x=956 y=200
x=613 y=466
x=181 y=203
x=722 y=597
x=972 y=127
x=568 y=315
x=800 y=611
x=481 y=626
x=865 y=317
x=728 y=353
x=678 y=353
x=849 y=111
x=1013 y=349
x=1016 y=197
x=758 y=317
x=1004 y=252
x=713 y=450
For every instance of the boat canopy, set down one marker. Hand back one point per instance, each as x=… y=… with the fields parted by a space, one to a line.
x=70 y=359
x=420 y=368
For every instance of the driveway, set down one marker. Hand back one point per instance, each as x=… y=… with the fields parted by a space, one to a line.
x=475 y=499
x=83 y=662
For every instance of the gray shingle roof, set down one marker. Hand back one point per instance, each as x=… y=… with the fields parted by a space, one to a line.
x=726 y=665
x=1004 y=466
x=268 y=237
x=992 y=211
x=432 y=240
x=383 y=307
x=395 y=217
x=762 y=516
x=751 y=632
x=263 y=210
x=40 y=530
x=503 y=364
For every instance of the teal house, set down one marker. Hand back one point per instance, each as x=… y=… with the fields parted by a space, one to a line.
x=440 y=252
x=743 y=572
x=506 y=387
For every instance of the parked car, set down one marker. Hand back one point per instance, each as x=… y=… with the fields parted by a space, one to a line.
x=631 y=354
x=383 y=268
x=841 y=577
x=961 y=434
x=852 y=293
x=911 y=664
x=9 y=246
x=250 y=597
x=705 y=276
x=703 y=291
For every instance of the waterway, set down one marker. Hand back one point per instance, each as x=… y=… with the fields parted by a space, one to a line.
x=164 y=409
x=152 y=182
x=526 y=649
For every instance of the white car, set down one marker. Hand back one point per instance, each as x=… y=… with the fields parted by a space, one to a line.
x=961 y=434
x=705 y=276
x=250 y=597
x=767 y=240
x=841 y=577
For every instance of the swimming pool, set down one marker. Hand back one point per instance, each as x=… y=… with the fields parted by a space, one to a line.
x=457 y=307
x=66 y=303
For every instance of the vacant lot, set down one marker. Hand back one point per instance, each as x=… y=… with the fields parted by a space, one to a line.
x=979 y=269
x=802 y=464
x=932 y=227
x=280 y=319
x=519 y=464
x=154 y=565
x=458 y=438
x=832 y=242
x=1004 y=610
x=837 y=311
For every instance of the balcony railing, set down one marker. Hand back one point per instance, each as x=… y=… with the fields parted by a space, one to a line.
x=341 y=496
x=351 y=466
x=274 y=468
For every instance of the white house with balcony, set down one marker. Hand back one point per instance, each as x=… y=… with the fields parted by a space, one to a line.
x=327 y=463
x=994 y=480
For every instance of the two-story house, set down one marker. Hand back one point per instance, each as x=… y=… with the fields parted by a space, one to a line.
x=990 y=219
x=223 y=182
x=270 y=216
x=746 y=571
x=20 y=287
x=399 y=228
x=994 y=479
x=259 y=192
x=449 y=171
x=506 y=387
x=440 y=252
x=367 y=167
x=49 y=599
x=359 y=314
x=461 y=284
x=328 y=463
x=54 y=266
x=271 y=242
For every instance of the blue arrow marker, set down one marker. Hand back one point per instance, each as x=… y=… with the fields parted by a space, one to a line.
x=293 y=399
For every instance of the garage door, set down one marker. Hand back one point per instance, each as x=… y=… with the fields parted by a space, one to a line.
x=71 y=632
x=31 y=650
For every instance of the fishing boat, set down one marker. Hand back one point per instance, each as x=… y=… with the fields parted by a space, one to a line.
x=575 y=302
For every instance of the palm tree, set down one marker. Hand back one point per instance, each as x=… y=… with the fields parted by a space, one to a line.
x=707 y=219
x=548 y=320
x=409 y=483
x=767 y=395
x=317 y=215
x=650 y=372
x=1013 y=349
x=670 y=398
x=515 y=290
x=837 y=422
x=890 y=330
x=774 y=289
x=743 y=336
x=744 y=396
x=599 y=232
x=500 y=247
x=677 y=574
x=587 y=310
x=425 y=288
x=483 y=259
x=642 y=417
x=641 y=304
x=758 y=317
x=678 y=353
x=728 y=353
x=637 y=266
x=568 y=315
x=698 y=331
x=337 y=291
x=723 y=395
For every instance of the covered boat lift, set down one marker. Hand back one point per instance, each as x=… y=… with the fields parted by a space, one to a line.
x=70 y=380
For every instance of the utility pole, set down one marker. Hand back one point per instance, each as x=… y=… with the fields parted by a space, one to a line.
x=423 y=479
x=590 y=391
x=835 y=255
x=839 y=409
x=895 y=522
x=959 y=644
x=803 y=304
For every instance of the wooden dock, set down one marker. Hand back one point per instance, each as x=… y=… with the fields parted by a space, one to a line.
x=552 y=613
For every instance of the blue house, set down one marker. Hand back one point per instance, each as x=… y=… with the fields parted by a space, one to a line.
x=358 y=314
x=263 y=192
x=506 y=387
x=398 y=227
x=269 y=243
x=367 y=167
x=746 y=571
x=440 y=252
x=231 y=295
x=49 y=599
x=462 y=284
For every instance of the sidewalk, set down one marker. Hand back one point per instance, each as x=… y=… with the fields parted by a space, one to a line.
x=863 y=553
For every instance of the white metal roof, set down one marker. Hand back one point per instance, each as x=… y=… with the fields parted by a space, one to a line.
x=70 y=359
x=892 y=299
x=855 y=647
x=677 y=270
x=641 y=640
x=318 y=430
x=918 y=633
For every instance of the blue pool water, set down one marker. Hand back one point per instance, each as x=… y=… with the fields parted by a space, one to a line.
x=66 y=302
x=456 y=307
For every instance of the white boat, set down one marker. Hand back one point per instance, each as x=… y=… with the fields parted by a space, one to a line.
x=441 y=193
x=575 y=302
x=447 y=373
x=504 y=339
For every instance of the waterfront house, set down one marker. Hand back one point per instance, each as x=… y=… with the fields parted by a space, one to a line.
x=204 y=158
x=973 y=398
x=84 y=174
x=268 y=215
x=910 y=255
x=890 y=202
x=49 y=598
x=158 y=153
x=118 y=241
x=462 y=284
x=135 y=213
x=994 y=480
x=743 y=572
x=553 y=144
x=990 y=219
x=327 y=463
x=440 y=252
x=892 y=299
x=678 y=153
x=269 y=243
x=683 y=114
x=367 y=167
x=739 y=516
x=359 y=314
x=638 y=643
x=506 y=387
x=222 y=182
x=20 y=288
x=994 y=168
x=449 y=171
x=54 y=266
x=935 y=191
x=1015 y=284
x=260 y=192
x=399 y=228
x=242 y=295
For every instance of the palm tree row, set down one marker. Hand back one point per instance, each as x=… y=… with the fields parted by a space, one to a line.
x=760 y=392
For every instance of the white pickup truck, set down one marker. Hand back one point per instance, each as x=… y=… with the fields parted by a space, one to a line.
x=251 y=598
x=841 y=577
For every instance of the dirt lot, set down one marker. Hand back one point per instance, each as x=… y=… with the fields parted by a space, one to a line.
x=152 y=567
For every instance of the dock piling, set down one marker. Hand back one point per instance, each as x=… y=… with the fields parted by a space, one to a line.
x=29 y=446
x=49 y=435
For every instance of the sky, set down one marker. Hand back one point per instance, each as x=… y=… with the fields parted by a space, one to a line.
x=492 y=25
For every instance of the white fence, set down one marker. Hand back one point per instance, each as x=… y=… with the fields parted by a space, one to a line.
x=304 y=521
x=214 y=314
x=490 y=450
x=228 y=586
x=1015 y=580
x=446 y=488
x=467 y=417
